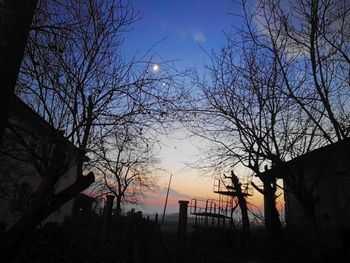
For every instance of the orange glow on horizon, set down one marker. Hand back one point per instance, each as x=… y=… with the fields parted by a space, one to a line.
x=157 y=198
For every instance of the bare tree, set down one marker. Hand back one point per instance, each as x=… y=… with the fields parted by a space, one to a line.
x=82 y=83
x=242 y=111
x=125 y=165
x=309 y=40
x=277 y=90
x=314 y=35
x=75 y=76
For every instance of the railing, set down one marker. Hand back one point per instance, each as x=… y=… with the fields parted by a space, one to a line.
x=216 y=208
x=211 y=211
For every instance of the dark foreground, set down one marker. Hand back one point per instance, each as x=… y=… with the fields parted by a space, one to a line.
x=137 y=240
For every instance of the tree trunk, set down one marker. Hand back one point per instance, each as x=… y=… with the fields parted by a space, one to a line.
x=273 y=226
x=119 y=201
x=242 y=205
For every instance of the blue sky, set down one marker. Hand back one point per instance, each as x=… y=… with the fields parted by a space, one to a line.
x=180 y=30
x=183 y=27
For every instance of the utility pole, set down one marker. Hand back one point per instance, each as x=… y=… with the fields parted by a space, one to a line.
x=166 y=199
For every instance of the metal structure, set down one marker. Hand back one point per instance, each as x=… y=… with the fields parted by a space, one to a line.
x=221 y=187
x=217 y=211
x=208 y=211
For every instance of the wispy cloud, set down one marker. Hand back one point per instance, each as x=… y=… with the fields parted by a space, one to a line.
x=153 y=202
x=158 y=197
x=199 y=36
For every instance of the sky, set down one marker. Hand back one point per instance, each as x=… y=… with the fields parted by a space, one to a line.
x=181 y=30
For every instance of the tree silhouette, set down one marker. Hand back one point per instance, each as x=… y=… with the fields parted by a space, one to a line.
x=75 y=76
x=275 y=91
x=124 y=165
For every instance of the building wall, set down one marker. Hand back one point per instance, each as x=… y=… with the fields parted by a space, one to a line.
x=328 y=170
x=67 y=209
x=18 y=173
x=19 y=180
x=10 y=215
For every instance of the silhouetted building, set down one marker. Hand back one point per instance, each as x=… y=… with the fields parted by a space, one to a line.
x=325 y=173
x=26 y=148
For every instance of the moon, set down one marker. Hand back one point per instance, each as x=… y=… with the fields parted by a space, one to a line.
x=155 y=68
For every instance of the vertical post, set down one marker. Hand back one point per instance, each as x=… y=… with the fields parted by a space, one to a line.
x=212 y=211
x=107 y=213
x=166 y=199
x=182 y=228
x=183 y=218
x=195 y=212
x=206 y=213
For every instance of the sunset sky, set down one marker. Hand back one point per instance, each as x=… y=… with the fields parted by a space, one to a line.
x=181 y=30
